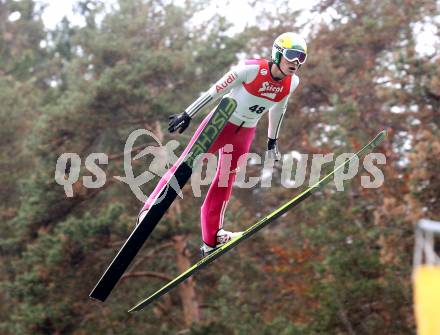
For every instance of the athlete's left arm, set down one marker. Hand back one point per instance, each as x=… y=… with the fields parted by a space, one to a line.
x=276 y=113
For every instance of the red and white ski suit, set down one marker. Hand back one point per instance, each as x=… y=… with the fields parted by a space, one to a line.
x=251 y=84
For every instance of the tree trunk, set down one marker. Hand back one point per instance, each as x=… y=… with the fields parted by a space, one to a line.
x=191 y=310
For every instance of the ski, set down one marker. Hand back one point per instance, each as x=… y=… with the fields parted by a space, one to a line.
x=161 y=204
x=257 y=226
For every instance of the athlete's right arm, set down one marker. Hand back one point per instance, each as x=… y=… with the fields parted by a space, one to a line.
x=234 y=77
x=238 y=74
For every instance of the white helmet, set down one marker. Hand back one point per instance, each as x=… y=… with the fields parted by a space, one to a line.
x=290 y=45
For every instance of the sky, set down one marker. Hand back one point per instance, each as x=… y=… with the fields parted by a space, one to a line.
x=233 y=9
x=238 y=12
x=56 y=10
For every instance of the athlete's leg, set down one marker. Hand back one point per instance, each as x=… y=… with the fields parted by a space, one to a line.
x=214 y=206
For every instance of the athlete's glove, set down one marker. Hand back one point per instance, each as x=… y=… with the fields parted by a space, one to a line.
x=179 y=122
x=272 y=149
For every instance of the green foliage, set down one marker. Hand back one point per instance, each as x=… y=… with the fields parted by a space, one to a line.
x=338 y=264
x=48 y=299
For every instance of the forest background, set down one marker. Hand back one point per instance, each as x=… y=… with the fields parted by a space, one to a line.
x=340 y=263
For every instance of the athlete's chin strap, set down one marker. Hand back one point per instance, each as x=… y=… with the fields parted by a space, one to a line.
x=278 y=66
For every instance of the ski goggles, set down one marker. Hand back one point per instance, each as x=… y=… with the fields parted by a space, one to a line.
x=294 y=54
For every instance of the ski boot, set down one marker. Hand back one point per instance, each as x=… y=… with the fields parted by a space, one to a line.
x=223 y=237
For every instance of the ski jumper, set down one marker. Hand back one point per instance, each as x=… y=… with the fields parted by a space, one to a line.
x=251 y=84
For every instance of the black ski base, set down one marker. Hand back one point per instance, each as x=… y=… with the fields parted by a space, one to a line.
x=166 y=197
